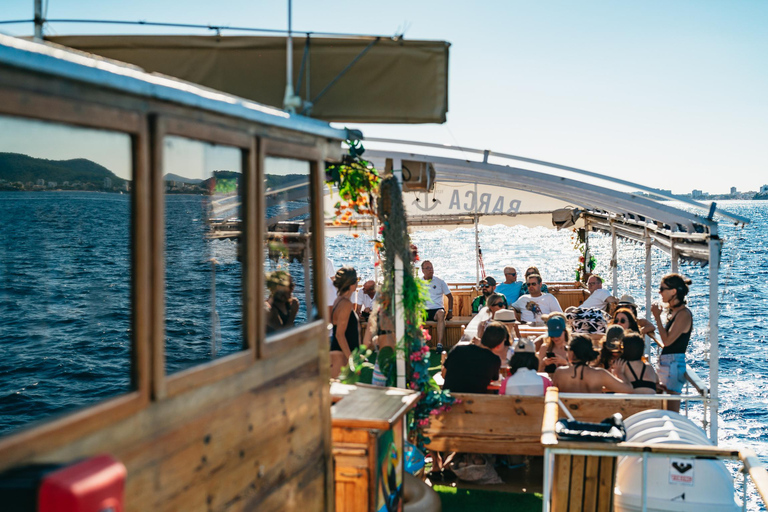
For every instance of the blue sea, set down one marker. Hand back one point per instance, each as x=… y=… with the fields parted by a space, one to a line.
x=65 y=322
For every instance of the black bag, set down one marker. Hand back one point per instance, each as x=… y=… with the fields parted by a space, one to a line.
x=610 y=430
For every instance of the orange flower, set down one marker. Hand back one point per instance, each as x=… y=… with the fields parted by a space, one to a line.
x=336 y=223
x=355 y=235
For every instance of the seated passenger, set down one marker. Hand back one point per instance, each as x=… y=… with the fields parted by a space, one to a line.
x=495 y=306
x=611 y=347
x=281 y=306
x=511 y=288
x=488 y=288
x=639 y=374
x=364 y=300
x=627 y=301
x=523 y=379
x=471 y=368
x=598 y=297
x=509 y=319
x=552 y=348
x=534 y=300
x=582 y=378
x=529 y=272
x=626 y=319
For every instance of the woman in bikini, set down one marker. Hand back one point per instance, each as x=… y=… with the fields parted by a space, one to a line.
x=582 y=378
x=675 y=334
x=639 y=374
x=346 y=329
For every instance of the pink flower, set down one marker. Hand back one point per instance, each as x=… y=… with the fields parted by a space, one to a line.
x=416 y=375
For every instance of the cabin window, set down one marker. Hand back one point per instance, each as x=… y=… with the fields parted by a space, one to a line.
x=65 y=268
x=203 y=260
x=289 y=292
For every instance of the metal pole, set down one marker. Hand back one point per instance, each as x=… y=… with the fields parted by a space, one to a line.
x=477 y=253
x=647 y=287
x=614 y=261
x=399 y=321
x=675 y=259
x=586 y=251
x=547 y=491
x=644 y=486
x=714 y=314
x=38 y=20
x=289 y=101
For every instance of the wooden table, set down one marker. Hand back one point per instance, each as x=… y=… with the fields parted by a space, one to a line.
x=368 y=430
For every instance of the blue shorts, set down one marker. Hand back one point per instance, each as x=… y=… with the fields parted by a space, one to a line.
x=671 y=372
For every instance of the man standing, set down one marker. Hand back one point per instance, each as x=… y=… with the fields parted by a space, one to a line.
x=487 y=287
x=598 y=297
x=535 y=299
x=511 y=288
x=435 y=309
x=364 y=302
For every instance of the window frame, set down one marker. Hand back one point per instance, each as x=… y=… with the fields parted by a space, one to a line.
x=280 y=343
x=169 y=385
x=18 y=99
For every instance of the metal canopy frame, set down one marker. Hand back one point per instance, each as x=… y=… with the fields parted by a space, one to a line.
x=642 y=218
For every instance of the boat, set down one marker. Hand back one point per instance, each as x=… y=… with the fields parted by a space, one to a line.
x=252 y=426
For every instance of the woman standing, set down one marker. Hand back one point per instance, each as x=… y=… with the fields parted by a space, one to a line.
x=346 y=330
x=675 y=334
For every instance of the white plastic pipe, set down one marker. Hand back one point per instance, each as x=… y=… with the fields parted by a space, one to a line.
x=714 y=335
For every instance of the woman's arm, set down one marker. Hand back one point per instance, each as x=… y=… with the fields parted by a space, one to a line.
x=342 y=313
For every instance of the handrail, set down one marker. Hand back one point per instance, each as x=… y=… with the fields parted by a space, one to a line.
x=756 y=471
x=696 y=381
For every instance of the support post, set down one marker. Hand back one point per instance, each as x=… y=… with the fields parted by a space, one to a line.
x=477 y=252
x=399 y=322
x=714 y=335
x=648 y=291
x=586 y=252
x=674 y=259
x=38 y=20
x=614 y=262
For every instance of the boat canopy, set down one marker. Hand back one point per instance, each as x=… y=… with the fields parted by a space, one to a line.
x=345 y=79
x=496 y=189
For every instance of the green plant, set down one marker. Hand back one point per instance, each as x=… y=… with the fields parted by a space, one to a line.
x=357 y=182
x=358 y=360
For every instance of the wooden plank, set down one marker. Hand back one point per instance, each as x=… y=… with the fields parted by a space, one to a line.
x=598 y=410
x=207 y=373
x=561 y=483
x=606 y=484
x=591 y=482
x=575 y=499
x=367 y=407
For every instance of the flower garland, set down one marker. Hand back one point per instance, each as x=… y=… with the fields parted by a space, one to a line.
x=358 y=185
x=584 y=268
x=396 y=242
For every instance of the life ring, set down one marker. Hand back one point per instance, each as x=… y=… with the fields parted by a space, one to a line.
x=418 y=496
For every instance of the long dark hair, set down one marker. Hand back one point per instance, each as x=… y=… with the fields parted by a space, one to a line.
x=523 y=360
x=582 y=348
x=679 y=283
x=630 y=315
x=344 y=279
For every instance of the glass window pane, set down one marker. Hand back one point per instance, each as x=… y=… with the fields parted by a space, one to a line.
x=65 y=268
x=203 y=270
x=288 y=255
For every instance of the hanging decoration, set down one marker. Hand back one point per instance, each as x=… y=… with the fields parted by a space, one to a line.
x=585 y=268
x=357 y=182
x=395 y=241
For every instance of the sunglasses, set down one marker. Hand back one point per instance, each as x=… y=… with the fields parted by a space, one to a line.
x=622 y=321
x=533 y=284
x=495 y=305
x=510 y=273
x=485 y=286
x=663 y=289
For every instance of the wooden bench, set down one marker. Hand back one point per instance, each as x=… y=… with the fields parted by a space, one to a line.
x=512 y=424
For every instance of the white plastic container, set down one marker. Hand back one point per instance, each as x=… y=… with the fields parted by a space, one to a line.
x=675 y=483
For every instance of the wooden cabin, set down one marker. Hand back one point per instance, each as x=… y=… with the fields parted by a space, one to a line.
x=223 y=415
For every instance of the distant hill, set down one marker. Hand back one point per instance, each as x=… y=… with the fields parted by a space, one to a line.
x=181 y=179
x=283 y=180
x=24 y=168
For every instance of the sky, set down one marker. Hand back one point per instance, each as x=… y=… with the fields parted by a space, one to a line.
x=669 y=94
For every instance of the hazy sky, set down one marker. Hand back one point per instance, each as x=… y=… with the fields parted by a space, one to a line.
x=671 y=94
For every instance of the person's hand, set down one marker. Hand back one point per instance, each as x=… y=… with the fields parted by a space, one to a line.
x=293 y=305
x=557 y=360
x=448 y=314
x=617 y=367
x=656 y=309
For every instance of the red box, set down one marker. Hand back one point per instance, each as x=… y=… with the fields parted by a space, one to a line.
x=93 y=485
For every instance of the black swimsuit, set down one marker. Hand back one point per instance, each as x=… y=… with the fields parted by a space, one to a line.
x=352 y=333
x=639 y=382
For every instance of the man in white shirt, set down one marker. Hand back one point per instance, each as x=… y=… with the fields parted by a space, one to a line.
x=364 y=302
x=535 y=299
x=435 y=309
x=598 y=297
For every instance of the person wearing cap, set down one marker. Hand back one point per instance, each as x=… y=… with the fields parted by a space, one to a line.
x=627 y=301
x=535 y=299
x=523 y=378
x=552 y=351
x=487 y=287
x=437 y=289
x=579 y=377
x=611 y=347
x=511 y=288
x=598 y=298
x=470 y=368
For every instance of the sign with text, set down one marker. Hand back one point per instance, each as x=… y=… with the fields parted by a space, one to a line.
x=681 y=471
